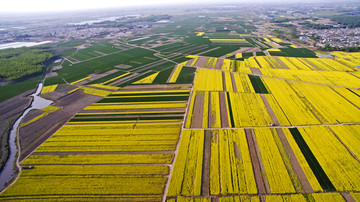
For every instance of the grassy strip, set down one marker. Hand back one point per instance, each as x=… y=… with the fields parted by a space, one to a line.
x=106 y=78
x=186 y=75
x=163 y=76
x=124 y=119
x=319 y=173
x=144 y=99
x=230 y=111
x=136 y=79
x=353 y=92
x=258 y=85
x=295 y=52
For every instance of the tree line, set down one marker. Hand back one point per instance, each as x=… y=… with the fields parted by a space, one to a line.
x=16 y=63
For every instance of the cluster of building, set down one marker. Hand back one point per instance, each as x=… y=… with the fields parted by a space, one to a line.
x=65 y=32
x=337 y=37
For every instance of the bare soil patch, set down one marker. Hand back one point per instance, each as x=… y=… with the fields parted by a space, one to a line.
x=10 y=111
x=201 y=62
x=262 y=189
x=219 y=64
x=205 y=184
x=172 y=73
x=282 y=64
x=233 y=82
x=295 y=163
x=197 y=119
x=122 y=66
x=34 y=134
x=256 y=71
x=223 y=111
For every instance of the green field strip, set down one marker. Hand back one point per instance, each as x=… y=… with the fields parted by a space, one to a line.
x=258 y=84
x=129 y=82
x=353 y=92
x=315 y=166
x=186 y=76
x=144 y=99
x=108 y=77
x=230 y=111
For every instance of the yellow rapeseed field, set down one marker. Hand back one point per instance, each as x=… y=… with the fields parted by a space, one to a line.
x=339 y=165
x=49 y=89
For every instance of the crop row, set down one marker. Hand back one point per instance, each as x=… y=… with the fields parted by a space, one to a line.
x=304 y=103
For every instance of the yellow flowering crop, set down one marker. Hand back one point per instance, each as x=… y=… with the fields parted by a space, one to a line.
x=208 y=80
x=80 y=80
x=137 y=106
x=339 y=165
x=249 y=110
x=176 y=74
x=116 y=78
x=49 y=89
x=47 y=110
x=187 y=174
x=277 y=40
x=303 y=163
x=211 y=63
x=349 y=135
x=147 y=80
x=227 y=65
x=276 y=173
x=228 y=82
x=105 y=87
x=200 y=33
x=230 y=164
x=274 y=50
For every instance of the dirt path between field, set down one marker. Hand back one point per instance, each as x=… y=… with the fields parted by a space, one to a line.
x=348 y=197
x=201 y=62
x=223 y=111
x=233 y=82
x=205 y=185
x=172 y=73
x=267 y=53
x=295 y=165
x=255 y=160
x=282 y=64
x=208 y=50
x=197 y=119
x=256 y=71
x=347 y=148
x=223 y=81
x=219 y=64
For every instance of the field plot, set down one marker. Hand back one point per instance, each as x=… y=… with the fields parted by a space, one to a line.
x=213 y=109
x=341 y=168
x=117 y=149
x=314 y=101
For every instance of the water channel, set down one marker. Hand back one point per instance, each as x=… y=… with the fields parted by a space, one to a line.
x=8 y=171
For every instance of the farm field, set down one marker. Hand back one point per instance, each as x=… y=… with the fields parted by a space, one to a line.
x=195 y=112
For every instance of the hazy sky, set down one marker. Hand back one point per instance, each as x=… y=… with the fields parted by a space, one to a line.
x=49 y=5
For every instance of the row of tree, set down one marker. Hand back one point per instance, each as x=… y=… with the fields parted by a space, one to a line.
x=347 y=49
x=16 y=63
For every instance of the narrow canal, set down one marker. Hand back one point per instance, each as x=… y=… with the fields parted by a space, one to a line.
x=8 y=171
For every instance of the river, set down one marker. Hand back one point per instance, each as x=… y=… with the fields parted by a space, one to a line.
x=8 y=171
